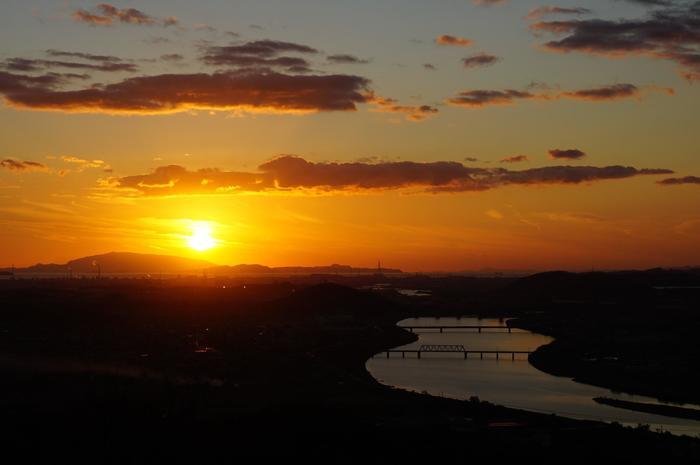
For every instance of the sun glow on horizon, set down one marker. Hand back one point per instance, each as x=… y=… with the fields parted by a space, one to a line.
x=201 y=239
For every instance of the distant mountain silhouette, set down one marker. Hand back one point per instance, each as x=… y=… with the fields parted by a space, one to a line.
x=125 y=262
x=292 y=270
x=332 y=269
x=595 y=285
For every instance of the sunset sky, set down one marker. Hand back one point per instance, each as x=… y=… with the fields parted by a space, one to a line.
x=433 y=135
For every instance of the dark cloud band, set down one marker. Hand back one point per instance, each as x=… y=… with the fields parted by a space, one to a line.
x=287 y=173
x=480 y=98
x=671 y=33
x=169 y=93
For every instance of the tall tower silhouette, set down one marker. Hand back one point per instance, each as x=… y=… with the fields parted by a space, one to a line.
x=379 y=269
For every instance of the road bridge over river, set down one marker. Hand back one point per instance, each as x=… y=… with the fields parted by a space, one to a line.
x=456 y=349
x=442 y=328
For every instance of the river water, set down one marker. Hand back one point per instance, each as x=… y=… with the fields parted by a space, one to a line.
x=506 y=382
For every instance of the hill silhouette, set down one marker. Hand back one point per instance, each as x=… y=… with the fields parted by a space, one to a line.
x=292 y=270
x=331 y=297
x=123 y=262
x=136 y=263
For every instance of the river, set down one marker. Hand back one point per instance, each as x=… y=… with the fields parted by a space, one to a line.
x=506 y=382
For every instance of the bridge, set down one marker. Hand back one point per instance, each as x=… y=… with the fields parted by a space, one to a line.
x=442 y=328
x=455 y=349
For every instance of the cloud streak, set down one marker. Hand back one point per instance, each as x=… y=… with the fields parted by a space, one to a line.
x=455 y=41
x=290 y=173
x=412 y=112
x=106 y=14
x=260 y=54
x=346 y=59
x=22 y=166
x=539 y=12
x=34 y=65
x=479 y=98
x=566 y=154
x=479 y=60
x=680 y=181
x=515 y=159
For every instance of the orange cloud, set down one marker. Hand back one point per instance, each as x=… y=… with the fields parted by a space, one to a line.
x=290 y=173
x=106 y=14
x=447 y=39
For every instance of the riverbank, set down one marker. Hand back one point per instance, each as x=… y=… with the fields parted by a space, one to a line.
x=610 y=362
x=666 y=410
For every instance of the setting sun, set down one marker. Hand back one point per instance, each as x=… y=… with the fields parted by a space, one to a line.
x=201 y=239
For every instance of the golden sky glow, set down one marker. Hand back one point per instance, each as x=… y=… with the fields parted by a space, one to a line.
x=451 y=137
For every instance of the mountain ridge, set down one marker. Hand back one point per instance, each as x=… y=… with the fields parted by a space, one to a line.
x=130 y=262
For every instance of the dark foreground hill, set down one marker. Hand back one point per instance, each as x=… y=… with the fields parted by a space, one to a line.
x=149 y=372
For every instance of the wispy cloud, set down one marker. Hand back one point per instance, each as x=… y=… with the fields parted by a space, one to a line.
x=262 y=54
x=20 y=166
x=515 y=159
x=412 y=112
x=346 y=59
x=680 y=181
x=106 y=14
x=539 y=12
x=480 y=98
